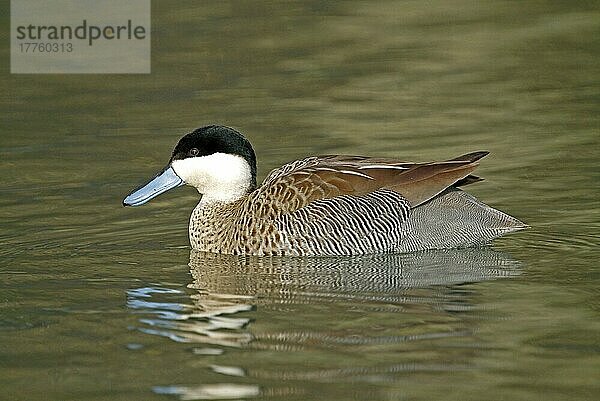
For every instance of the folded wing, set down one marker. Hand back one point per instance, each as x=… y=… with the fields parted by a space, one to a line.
x=347 y=205
x=297 y=184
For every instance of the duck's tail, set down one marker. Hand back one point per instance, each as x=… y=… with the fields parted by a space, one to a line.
x=455 y=219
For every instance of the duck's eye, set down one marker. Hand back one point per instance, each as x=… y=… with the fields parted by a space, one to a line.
x=194 y=151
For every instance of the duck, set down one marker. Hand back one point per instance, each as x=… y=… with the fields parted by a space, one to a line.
x=330 y=205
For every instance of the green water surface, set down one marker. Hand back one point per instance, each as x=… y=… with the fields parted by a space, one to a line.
x=100 y=302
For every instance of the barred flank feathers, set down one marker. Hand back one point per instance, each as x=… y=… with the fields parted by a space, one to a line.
x=346 y=225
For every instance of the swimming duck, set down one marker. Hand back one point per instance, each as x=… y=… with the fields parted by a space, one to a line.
x=323 y=205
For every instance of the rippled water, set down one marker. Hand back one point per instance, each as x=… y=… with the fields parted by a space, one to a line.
x=105 y=303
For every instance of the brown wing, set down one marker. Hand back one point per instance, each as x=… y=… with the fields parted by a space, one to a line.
x=301 y=182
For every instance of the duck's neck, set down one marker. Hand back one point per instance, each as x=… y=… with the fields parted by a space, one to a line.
x=211 y=222
x=221 y=198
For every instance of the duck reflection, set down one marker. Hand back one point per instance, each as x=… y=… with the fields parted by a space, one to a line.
x=278 y=278
x=227 y=286
x=405 y=312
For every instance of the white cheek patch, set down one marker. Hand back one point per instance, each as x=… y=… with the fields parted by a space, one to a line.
x=220 y=176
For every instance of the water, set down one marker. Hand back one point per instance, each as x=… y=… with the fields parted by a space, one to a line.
x=105 y=303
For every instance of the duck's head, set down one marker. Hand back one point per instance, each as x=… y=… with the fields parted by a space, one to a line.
x=218 y=161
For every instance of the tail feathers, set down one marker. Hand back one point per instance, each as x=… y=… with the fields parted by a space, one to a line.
x=470 y=179
x=471 y=157
x=455 y=219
